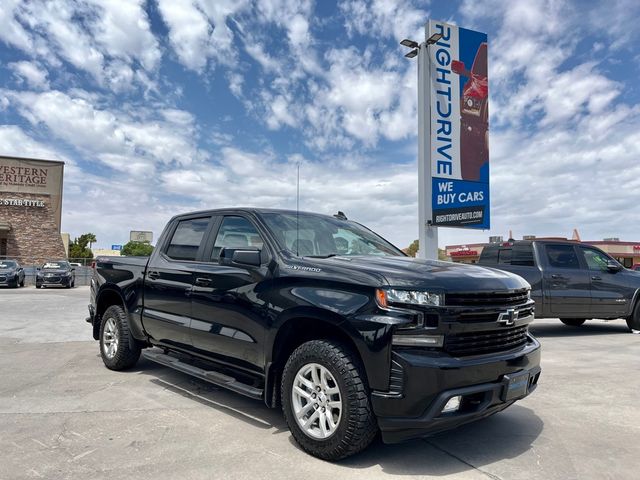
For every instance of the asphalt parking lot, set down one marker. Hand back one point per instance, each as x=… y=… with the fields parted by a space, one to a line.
x=63 y=415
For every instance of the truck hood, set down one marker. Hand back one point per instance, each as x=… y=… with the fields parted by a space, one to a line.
x=417 y=274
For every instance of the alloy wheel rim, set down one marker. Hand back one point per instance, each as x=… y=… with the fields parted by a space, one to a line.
x=110 y=338
x=317 y=401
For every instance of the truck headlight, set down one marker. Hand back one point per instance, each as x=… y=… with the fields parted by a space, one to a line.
x=412 y=297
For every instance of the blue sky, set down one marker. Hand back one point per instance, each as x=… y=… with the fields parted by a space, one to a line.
x=165 y=106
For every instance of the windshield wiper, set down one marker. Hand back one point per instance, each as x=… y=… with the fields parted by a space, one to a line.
x=322 y=256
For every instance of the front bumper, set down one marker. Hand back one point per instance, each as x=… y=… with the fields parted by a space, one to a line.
x=58 y=280
x=426 y=380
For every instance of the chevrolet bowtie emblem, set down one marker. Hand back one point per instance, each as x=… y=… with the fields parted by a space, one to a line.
x=509 y=317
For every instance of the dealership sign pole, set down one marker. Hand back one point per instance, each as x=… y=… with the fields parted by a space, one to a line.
x=453 y=138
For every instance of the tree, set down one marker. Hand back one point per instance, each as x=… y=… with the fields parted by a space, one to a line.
x=78 y=247
x=412 y=251
x=136 y=249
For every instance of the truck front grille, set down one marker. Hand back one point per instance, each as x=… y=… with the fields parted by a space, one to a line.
x=484 y=299
x=479 y=343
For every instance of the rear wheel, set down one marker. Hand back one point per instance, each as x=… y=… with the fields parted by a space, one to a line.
x=573 y=322
x=633 y=322
x=118 y=348
x=22 y=283
x=325 y=400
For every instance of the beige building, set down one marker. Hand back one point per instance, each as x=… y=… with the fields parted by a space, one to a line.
x=30 y=209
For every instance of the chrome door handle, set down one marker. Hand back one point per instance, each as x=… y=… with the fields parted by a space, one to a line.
x=596 y=278
x=556 y=276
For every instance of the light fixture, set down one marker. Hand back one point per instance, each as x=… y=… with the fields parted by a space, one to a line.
x=409 y=43
x=434 y=38
x=453 y=405
x=412 y=53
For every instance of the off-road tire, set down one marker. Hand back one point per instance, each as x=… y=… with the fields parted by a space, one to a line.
x=633 y=322
x=573 y=322
x=128 y=350
x=357 y=427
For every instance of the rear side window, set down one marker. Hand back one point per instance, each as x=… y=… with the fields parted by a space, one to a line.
x=504 y=256
x=489 y=255
x=186 y=239
x=522 y=255
x=236 y=232
x=562 y=256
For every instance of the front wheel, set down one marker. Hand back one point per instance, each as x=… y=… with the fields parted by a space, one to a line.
x=573 y=322
x=325 y=400
x=118 y=348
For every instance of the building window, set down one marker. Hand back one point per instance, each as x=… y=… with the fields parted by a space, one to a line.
x=3 y=247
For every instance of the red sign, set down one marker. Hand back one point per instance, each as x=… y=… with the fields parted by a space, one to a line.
x=636 y=247
x=464 y=253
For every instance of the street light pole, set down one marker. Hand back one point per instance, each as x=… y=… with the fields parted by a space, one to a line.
x=427 y=233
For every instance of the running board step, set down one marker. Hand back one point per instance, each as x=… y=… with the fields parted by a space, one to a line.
x=217 y=378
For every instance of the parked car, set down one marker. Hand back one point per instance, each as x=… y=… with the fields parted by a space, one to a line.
x=570 y=280
x=323 y=317
x=636 y=267
x=11 y=273
x=56 y=273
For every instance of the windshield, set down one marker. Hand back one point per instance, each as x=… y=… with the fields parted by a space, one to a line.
x=55 y=265
x=7 y=264
x=320 y=236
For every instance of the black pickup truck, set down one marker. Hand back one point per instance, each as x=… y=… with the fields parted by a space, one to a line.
x=321 y=316
x=570 y=280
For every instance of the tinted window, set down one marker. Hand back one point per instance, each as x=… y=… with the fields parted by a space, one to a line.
x=7 y=264
x=489 y=255
x=187 y=238
x=236 y=232
x=522 y=255
x=596 y=260
x=504 y=255
x=562 y=256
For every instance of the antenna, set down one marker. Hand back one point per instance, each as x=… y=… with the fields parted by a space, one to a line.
x=298 y=213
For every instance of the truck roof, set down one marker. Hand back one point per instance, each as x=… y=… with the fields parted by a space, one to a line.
x=254 y=210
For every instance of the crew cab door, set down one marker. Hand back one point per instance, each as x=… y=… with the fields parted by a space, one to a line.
x=567 y=285
x=610 y=290
x=169 y=280
x=228 y=310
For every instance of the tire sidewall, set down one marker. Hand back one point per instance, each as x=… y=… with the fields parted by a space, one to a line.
x=324 y=448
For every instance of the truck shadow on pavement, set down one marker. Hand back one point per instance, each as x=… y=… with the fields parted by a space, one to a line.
x=589 y=328
x=505 y=435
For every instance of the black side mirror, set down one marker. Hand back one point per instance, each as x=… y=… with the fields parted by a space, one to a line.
x=241 y=256
x=73 y=269
x=613 y=267
x=247 y=257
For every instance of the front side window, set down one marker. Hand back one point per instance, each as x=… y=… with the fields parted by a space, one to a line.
x=186 y=239
x=562 y=256
x=7 y=264
x=236 y=232
x=308 y=235
x=595 y=259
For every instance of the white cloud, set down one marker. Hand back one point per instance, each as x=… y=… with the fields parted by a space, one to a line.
x=34 y=73
x=120 y=139
x=389 y=18
x=199 y=30
x=112 y=42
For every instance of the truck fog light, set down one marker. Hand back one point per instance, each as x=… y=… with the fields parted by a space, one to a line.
x=453 y=405
x=417 y=340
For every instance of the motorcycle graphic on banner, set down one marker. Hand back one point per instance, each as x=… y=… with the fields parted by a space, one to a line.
x=459 y=123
